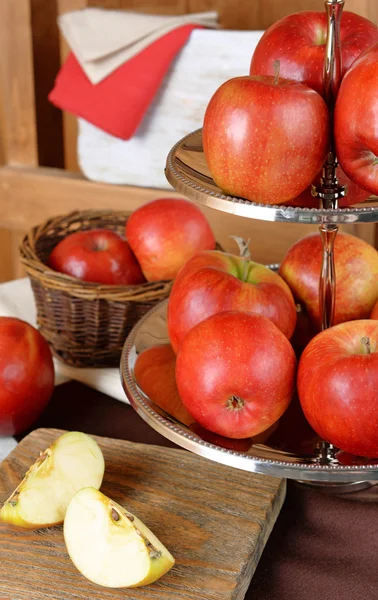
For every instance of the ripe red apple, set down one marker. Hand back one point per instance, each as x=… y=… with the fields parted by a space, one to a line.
x=155 y=374
x=165 y=233
x=354 y=193
x=265 y=138
x=26 y=375
x=96 y=255
x=356 y=266
x=235 y=373
x=374 y=312
x=213 y=282
x=356 y=121
x=338 y=386
x=298 y=42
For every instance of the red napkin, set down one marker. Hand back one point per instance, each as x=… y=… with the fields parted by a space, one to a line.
x=119 y=102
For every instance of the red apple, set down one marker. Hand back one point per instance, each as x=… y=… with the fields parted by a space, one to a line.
x=26 y=375
x=298 y=42
x=354 y=194
x=155 y=374
x=235 y=373
x=356 y=121
x=374 y=312
x=213 y=282
x=338 y=386
x=96 y=255
x=165 y=233
x=265 y=138
x=356 y=266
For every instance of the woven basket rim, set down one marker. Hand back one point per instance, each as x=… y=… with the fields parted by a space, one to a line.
x=39 y=270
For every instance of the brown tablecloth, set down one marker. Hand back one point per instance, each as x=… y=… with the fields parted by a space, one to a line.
x=322 y=547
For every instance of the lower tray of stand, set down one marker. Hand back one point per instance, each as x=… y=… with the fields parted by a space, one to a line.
x=213 y=519
x=291 y=449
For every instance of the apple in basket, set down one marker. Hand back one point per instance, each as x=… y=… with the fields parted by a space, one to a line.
x=235 y=373
x=213 y=282
x=298 y=42
x=265 y=138
x=356 y=266
x=165 y=233
x=98 y=256
x=338 y=386
x=26 y=375
x=356 y=121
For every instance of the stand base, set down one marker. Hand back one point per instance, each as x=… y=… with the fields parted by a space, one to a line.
x=365 y=491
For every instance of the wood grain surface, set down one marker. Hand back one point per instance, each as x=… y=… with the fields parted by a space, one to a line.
x=214 y=519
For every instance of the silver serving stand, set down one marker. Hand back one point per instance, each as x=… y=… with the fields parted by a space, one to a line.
x=290 y=449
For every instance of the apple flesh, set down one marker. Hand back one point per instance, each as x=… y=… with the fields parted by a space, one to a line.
x=73 y=461
x=165 y=233
x=356 y=121
x=26 y=375
x=235 y=373
x=298 y=42
x=213 y=282
x=98 y=256
x=338 y=386
x=265 y=138
x=356 y=266
x=109 y=545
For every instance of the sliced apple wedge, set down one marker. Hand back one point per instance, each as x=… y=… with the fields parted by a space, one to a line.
x=109 y=545
x=72 y=462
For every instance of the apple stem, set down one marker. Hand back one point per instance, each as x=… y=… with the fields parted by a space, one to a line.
x=276 y=68
x=366 y=342
x=244 y=252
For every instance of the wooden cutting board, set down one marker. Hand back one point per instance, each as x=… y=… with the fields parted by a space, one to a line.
x=214 y=519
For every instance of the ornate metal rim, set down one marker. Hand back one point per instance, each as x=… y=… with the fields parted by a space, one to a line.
x=183 y=437
x=245 y=208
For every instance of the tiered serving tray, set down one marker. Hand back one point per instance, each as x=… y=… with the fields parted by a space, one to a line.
x=290 y=449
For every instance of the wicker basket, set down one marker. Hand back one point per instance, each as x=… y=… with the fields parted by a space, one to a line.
x=86 y=324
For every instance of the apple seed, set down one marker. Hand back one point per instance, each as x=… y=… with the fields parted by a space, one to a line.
x=115 y=515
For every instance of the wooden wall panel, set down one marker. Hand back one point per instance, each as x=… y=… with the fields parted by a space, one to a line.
x=18 y=140
x=46 y=59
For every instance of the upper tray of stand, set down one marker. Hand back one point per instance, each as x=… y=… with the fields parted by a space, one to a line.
x=188 y=173
x=290 y=449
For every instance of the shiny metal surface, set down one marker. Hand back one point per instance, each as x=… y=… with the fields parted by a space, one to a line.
x=327 y=283
x=291 y=450
x=187 y=171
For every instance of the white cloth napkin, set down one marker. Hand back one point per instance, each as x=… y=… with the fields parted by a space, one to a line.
x=16 y=300
x=177 y=109
x=102 y=40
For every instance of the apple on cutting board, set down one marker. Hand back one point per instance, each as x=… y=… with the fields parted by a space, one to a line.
x=74 y=460
x=265 y=138
x=298 y=42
